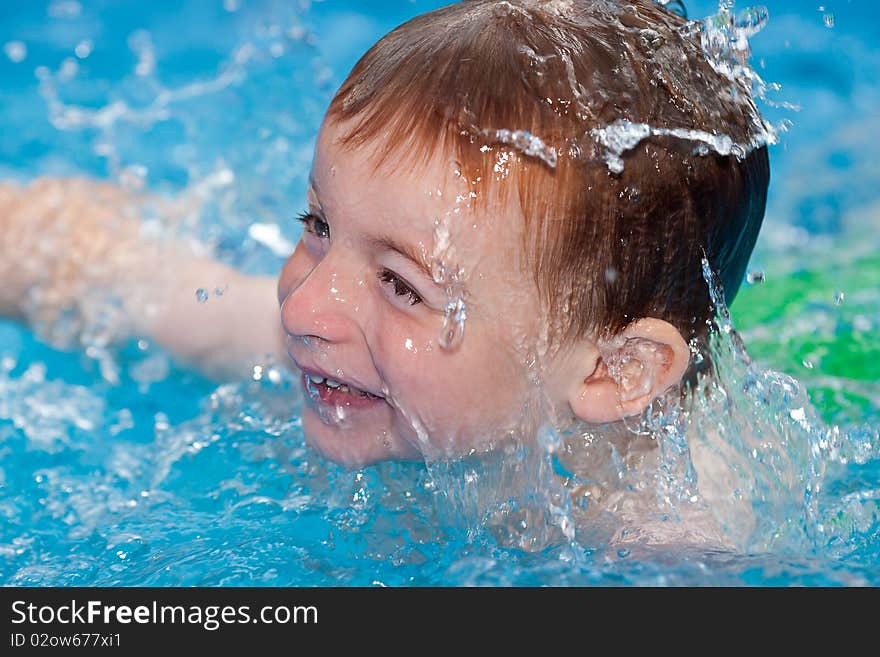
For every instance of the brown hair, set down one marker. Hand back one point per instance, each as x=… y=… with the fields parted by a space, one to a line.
x=606 y=247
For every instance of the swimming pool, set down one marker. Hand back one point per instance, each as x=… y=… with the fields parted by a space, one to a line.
x=120 y=468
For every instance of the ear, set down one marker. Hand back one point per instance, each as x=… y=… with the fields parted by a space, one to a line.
x=632 y=369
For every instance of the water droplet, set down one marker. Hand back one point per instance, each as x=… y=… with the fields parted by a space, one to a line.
x=752 y=20
x=755 y=277
x=452 y=331
x=650 y=39
x=201 y=295
x=525 y=142
x=16 y=51
x=838 y=298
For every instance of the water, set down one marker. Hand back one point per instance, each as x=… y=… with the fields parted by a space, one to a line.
x=120 y=467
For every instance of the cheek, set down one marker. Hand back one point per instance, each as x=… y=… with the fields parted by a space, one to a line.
x=471 y=392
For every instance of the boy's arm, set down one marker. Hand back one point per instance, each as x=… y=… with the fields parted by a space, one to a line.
x=74 y=264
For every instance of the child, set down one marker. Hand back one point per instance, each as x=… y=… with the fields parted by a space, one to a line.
x=508 y=210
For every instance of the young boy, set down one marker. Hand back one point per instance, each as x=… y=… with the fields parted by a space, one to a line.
x=508 y=210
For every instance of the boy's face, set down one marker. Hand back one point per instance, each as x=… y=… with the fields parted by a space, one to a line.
x=360 y=312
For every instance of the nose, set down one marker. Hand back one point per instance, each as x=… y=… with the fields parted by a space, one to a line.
x=320 y=305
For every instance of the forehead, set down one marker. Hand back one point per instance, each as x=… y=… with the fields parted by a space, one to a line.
x=414 y=181
x=428 y=201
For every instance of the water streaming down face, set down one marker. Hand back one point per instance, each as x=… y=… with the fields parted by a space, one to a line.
x=745 y=463
x=452 y=278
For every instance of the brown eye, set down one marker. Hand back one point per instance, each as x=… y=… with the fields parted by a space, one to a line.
x=314 y=224
x=400 y=287
x=322 y=228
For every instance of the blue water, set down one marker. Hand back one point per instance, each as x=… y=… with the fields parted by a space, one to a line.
x=123 y=469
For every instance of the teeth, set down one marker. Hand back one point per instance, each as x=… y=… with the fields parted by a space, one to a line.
x=342 y=387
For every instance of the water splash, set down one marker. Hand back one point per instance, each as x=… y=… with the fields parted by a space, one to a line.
x=623 y=135
x=741 y=465
x=452 y=330
x=452 y=278
x=724 y=39
x=221 y=489
x=525 y=142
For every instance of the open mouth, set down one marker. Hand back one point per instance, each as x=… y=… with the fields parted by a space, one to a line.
x=329 y=391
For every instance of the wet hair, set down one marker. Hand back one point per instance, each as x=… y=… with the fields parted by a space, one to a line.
x=606 y=246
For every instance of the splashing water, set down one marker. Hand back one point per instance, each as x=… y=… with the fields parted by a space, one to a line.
x=725 y=42
x=142 y=473
x=525 y=142
x=452 y=278
x=622 y=136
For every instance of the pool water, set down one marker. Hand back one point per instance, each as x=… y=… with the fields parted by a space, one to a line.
x=120 y=468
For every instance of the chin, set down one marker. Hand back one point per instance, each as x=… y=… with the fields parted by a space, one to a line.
x=352 y=448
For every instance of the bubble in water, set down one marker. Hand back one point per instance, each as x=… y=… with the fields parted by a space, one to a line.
x=15 y=50
x=755 y=277
x=202 y=295
x=141 y=44
x=83 y=48
x=64 y=9
x=68 y=69
x=150 y=370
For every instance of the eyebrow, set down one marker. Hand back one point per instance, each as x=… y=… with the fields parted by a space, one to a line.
x=387 y=243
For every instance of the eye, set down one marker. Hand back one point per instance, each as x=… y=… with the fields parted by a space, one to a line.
x=314 y=224
x=400 y=286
